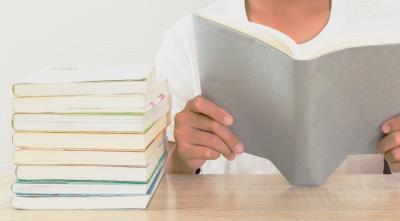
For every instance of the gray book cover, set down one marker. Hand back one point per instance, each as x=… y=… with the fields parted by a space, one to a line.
x=306 y=116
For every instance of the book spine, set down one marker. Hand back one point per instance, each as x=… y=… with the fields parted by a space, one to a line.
x=307 y=163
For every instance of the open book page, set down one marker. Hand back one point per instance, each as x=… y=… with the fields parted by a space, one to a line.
x=288 y=46
x=91 y=73
x=356 y=40
x=270 y=36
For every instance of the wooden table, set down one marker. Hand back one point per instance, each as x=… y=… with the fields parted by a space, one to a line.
x=244 y=197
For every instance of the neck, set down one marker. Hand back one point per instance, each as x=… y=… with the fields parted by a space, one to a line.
x=277 y=6
x=299 y=19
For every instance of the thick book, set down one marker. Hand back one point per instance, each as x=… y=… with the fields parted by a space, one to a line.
x=92 y=123
x=90 y=141
x=84 y=202
x=92 y=172
x=116 y=181
x=304 y=111
x=95 y=158
x=111 y=104
x=87 y=80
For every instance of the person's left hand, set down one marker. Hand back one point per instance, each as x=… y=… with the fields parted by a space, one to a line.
x=390 y=144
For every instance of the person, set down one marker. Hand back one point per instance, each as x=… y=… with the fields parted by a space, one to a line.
x=200 y=134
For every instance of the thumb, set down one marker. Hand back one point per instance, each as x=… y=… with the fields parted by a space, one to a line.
x=391 y=125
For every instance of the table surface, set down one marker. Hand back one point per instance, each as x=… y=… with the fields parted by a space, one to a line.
x=244 y=197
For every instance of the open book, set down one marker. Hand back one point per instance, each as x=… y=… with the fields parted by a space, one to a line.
x=283 y=43
x=304 y=112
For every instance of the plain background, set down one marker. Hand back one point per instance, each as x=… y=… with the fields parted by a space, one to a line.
x=38 y=33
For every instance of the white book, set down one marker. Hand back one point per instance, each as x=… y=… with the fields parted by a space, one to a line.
x=91 y=187
x=86 y=202
x=90 y=141
x=92 y=123
x=94 y=158
x=120 y=103
x=87 y=80
x=92 y=172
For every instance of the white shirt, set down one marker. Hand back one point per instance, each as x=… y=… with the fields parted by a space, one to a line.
x=177 y=61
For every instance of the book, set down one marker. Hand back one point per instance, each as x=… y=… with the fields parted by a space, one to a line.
x=111 y=104
x=89 y=137
x=280 y=42
x=92 y=123
x=117 y=181
x=90 y=141
x=99 y=158
x=87 y=80
x=306 y=111
x=90 y=172
x=79 y=202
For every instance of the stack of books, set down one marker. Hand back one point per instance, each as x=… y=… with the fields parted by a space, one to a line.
x=89 y=137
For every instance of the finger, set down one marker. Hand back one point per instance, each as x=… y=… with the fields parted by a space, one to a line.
x=202 y=105
x=202 y=122
x=393 y=155
x=197 y=152
x=389 y=142
x=203 y=138
x=391 y=125
x=395 y=167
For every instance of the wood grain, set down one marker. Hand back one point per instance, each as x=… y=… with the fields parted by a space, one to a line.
x=245 y=197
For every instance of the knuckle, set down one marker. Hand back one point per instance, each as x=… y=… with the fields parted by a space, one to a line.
x=396 y=137
x=198 y=102
x=179 y=134
x=216 y=156
x=179 y=117
x=212 y=155
x=183 y=148
x=229 y=137
x=198 y=97
x=232 y=138
x=396 y=155
x=214 y=140
x=214 y=126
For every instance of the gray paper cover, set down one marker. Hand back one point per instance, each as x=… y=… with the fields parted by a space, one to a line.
x=306 y=116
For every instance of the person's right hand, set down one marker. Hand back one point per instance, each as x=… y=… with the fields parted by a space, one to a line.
x=202 y=133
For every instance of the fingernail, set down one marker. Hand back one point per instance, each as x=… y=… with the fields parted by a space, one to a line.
x=227 y=121
x=239 y=148
x=386 y=129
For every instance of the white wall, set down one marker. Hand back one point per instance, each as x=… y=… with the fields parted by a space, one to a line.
x=39 y=33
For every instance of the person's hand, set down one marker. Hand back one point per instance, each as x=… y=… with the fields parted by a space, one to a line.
x=390 y=144
x=202 y=133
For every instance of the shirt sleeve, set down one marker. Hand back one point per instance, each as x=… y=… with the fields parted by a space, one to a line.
x=175 y=62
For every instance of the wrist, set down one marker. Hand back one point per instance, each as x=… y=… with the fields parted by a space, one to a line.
x=176 y=164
